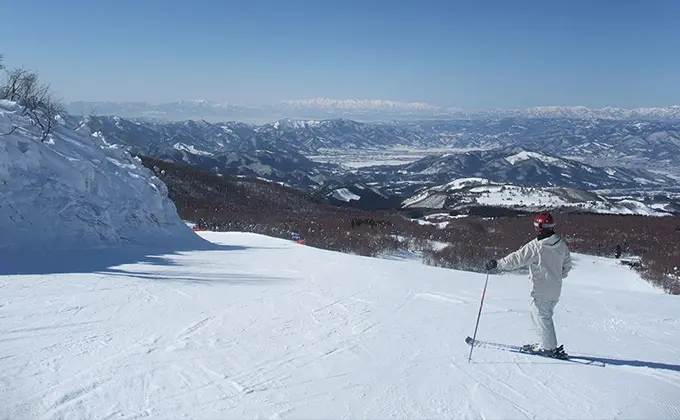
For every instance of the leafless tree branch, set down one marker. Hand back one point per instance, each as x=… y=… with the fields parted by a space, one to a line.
x=35 y=99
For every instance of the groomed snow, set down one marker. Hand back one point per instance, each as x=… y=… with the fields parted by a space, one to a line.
x=77 y=191
x=257 y=327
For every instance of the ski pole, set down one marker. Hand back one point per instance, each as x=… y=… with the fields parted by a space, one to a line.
x=478 y=316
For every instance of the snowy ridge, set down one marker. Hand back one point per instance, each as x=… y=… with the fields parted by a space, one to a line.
x=266 y=328
x=77 y=191
x=361 y=104
x=465 y=193
x=435 y=197
x=368 y=109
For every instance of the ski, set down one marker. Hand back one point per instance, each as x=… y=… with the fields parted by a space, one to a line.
x=518 y=349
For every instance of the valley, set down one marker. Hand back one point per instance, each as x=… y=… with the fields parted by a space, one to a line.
x=355 y=159
x=393 y=162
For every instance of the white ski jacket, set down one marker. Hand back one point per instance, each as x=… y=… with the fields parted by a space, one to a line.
x=549 y=262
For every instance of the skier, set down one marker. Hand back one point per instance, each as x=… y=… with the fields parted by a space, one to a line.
x=549 y=261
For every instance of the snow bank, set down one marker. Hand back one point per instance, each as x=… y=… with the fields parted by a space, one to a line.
x=75 y=191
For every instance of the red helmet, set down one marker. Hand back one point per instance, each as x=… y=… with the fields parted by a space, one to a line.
x=544 y=221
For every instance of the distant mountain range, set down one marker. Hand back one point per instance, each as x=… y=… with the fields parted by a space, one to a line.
x=279 y=152
x=641 y=144
x=227 y=149
x=597 y=142
x=357 y=109
x=514 y=165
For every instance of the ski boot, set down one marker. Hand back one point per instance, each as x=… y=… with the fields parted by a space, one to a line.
x=557 y=353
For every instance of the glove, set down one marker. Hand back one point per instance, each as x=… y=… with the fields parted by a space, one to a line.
x=491 y=265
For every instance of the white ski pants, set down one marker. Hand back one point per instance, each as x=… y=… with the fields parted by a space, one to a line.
x=541 y=314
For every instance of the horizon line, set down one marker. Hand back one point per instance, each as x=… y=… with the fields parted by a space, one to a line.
x=334 y=102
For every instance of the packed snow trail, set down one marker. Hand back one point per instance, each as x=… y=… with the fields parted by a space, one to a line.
x=266 y=328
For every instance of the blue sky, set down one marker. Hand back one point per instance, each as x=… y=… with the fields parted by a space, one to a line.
x=472 y=54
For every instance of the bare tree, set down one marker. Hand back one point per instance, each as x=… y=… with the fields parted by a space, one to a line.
x=13 y=85
x=36 y=100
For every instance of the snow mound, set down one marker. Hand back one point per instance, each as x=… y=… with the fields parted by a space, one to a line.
x=75 y=191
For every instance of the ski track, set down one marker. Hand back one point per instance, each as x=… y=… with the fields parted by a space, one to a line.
x=340 y=336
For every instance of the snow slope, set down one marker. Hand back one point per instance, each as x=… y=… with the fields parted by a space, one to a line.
x=479 y=191
x=258 y=327
x=518 y=197
x=77 y=191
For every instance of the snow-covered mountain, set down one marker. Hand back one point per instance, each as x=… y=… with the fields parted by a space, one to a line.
x=670 y=113
x=312 y=136
x=319 y=108
x=464 y=194
x=168 y=111
x=278 y=151
x=76 y=191
x=259 y=327
x=225 y=148
x=598 y=142
x=511 y=165
x=360 y=109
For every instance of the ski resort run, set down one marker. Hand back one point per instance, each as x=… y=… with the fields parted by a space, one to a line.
x=248 y=326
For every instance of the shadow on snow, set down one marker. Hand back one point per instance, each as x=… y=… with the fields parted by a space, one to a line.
x=598 y=359
x=44 y=262
x=193 y=277
x=634 y=363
